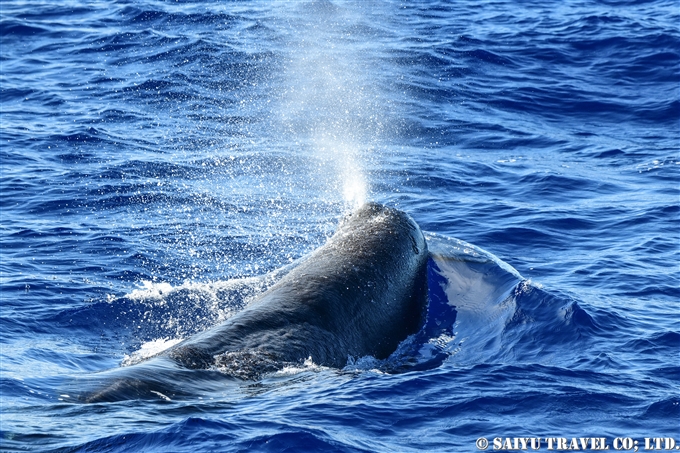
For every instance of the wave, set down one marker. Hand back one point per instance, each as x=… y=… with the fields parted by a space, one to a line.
x=480 y=310
x=159 y=313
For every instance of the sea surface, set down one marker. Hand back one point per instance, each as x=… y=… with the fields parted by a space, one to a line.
x=163 y=162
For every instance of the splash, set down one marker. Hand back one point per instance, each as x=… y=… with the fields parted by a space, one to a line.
x=151 y=290
x=149 y=349
x=354 y=189
x=346 y=169
x=328 y=103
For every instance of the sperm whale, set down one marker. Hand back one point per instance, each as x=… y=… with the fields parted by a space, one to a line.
x=360 y=294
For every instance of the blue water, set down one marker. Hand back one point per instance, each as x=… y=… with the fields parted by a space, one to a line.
x=163 y=160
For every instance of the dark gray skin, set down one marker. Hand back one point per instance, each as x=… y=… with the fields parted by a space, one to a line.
x=360 y=294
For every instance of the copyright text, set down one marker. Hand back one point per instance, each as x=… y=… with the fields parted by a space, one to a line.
x=578 y=444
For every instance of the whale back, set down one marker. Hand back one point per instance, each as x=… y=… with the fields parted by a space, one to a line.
x=360 y=294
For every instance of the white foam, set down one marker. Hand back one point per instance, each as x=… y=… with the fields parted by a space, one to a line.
x=307 y=365
x=165 y=397
x=149 y=349
x=151 y=290
x=157 y=292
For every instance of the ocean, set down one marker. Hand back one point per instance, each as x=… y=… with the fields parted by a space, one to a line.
x=164 y=162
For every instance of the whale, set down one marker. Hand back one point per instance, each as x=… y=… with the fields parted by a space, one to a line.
x=360 y=294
